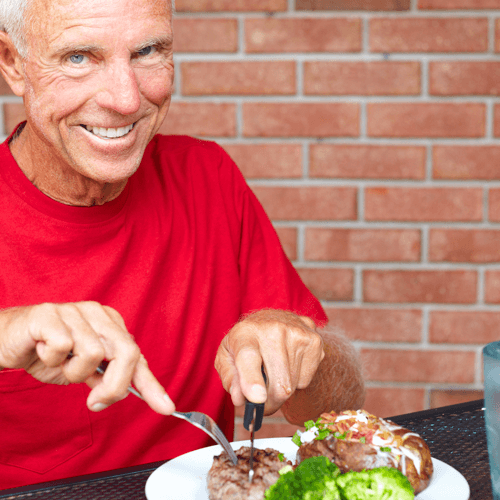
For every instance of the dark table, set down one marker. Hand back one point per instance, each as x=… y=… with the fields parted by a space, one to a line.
x=455 y=434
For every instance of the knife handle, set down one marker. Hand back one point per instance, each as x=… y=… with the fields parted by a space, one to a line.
x=254 y=408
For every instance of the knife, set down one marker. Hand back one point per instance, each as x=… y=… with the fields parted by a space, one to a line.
x=252 y=421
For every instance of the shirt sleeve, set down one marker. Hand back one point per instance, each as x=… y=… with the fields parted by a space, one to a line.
x=268 y=278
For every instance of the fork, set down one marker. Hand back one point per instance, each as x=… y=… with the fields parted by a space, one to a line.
x=198 y=419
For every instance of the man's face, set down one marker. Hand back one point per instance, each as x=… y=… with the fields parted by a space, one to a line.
x=98 y=77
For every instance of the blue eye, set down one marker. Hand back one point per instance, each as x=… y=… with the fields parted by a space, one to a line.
x=146 y=51
x=77 y=58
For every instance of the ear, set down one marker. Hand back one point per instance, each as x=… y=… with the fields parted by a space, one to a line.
x=11 y=66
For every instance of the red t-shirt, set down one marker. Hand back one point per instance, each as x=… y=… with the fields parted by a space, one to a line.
x=182 y=253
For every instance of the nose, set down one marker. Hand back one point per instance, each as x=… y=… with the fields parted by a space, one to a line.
x=119 y=89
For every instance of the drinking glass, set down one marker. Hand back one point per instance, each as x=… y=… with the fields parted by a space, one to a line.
x=491 y=365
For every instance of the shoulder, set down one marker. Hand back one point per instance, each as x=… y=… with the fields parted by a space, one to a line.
x=193 y=157
x=175 y=145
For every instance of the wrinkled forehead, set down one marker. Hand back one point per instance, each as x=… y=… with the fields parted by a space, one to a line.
x=48 y=19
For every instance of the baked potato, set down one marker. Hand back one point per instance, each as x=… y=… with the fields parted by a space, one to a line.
x=357 y=440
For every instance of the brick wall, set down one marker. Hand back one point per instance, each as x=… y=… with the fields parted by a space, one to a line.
x=370 y=130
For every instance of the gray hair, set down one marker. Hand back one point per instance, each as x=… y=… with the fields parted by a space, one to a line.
x=13 y=21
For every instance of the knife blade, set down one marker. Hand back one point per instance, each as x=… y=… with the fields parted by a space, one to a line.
x=252 y=421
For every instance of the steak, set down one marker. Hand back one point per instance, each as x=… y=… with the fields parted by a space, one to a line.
x=227 y=481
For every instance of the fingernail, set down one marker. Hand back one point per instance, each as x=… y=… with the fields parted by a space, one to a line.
x=258 y=393
x=169 y=401
x=98 y=407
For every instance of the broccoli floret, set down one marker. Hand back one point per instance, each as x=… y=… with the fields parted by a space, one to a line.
x=383 y=483
x=313 y=479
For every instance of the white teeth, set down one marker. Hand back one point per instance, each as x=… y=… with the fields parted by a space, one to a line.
x=110 y=133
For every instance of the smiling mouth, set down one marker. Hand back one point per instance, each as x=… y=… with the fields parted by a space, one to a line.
x=109 y=133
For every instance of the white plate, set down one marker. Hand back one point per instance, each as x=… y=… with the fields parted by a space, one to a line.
x=185 y=477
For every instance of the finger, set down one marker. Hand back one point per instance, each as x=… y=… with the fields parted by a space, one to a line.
x=87 y=352
x=52 y=336
x=310 y=358
x=248 y=363
x=151 y=390
x=277 y=363
x=224 y=364
x=119 y=349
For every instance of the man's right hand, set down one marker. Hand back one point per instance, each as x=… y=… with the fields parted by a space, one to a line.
x=65 y=343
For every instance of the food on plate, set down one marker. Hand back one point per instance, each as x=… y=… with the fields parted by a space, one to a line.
x=317 y=478
x=383 y=483
x=313 y=479
x=357 y=441
x=227 y=481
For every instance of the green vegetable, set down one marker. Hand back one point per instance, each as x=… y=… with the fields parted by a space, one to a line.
x=296 y=439
x=313 y=479
x=383 y=483
x=385 y=448
x=281 y=457
x=319 y=479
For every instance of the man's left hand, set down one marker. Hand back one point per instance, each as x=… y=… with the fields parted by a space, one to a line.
x=286 y=344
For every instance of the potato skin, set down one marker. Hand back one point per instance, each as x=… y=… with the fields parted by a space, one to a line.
x=356 y=456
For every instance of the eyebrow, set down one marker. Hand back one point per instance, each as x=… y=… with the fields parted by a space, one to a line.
x=159 y=41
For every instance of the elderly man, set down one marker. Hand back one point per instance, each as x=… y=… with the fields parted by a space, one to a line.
x=121 y=245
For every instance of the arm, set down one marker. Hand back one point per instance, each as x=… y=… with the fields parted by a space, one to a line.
x=40 y=339
x=308 y=373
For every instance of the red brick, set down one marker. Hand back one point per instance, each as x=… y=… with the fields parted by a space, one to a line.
x=423 y=204
x=308 y=203
x=303 y=35
x=464 y=78
x=492 y=287
x=230 y=5
x=329 y=119
x=367 y=161
x=464 y=245
x=361 y=78
x=426 y=119
x=206 y=119
x=466 y=162
x=428 y=34
x=288 y=239
x=371 y=5
x=13 y=113
x=458 y=4
x=377 y=325
x=441 y=398
x=4 y=88
x=368 y=245
x=205 y=35
x=238 y=78
x=463 y=327
x=390 y=401
x=267 y=160
x=397 y=365
x=328 y=284
x=494 y=205
x=401 y=286
x=496 y=120
x=497 y=35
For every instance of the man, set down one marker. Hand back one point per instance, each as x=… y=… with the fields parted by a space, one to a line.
x=119 y=245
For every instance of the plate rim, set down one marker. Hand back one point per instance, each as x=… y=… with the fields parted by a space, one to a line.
x=217 y=449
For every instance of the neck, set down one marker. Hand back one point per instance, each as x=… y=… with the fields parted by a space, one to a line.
x=56 y=179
